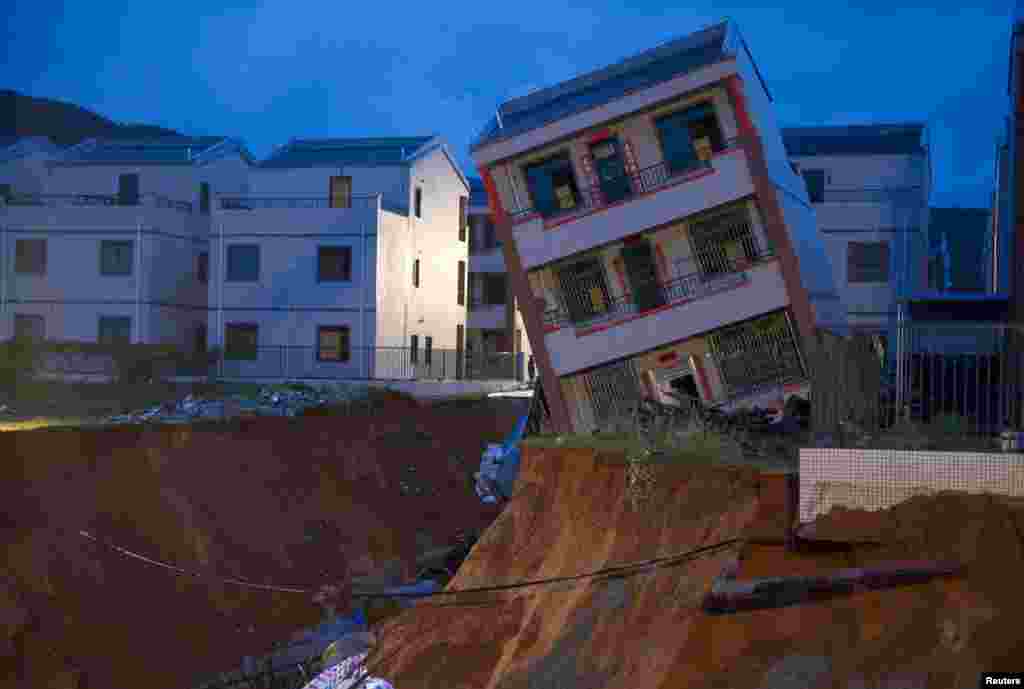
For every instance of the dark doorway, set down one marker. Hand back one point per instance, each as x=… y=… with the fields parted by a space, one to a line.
x=685 y=385
x=638 y=259
x=610 y=169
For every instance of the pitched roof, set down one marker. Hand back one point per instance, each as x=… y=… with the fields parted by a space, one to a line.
x=167 y=150
x=682 y=55
x=861 y=139
x=15 y=147
x=333 y=152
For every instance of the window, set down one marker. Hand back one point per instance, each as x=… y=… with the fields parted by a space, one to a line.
x=116 y=257
x=243 y=263
x=128 y=190
x=6 y=191
x=334 y=264
x=463 y=217
x=414 y=348
x=115 y=330
x=29 y=327
x=204 y=197
x=490 y=235
x=419 y=202
x=815 y=180
x=333 y=343
x=552 y=185
x=867 y=262
x=495 y=288
x=240 y=341
x=341 y=192
x=428 y=349
x=462 y=284
x=30 y=256
x=416 y=273
x=689 y=136
x=203 y=267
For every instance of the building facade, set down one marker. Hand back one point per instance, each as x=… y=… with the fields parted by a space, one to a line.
x=105 y=241
x=347 y=258
x=496 y=341
x=655 y=233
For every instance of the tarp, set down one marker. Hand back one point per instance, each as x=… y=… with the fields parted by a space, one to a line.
x=347 y=675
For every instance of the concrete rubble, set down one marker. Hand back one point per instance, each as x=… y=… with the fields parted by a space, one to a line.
x=269 y=401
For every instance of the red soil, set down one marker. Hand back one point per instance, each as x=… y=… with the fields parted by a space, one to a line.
x=233 y=500
x=569 y=515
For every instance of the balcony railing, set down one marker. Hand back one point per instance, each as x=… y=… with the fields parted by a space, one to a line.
x=720 y=274
x=249 y=203
x=624 y=187
x=58 y=200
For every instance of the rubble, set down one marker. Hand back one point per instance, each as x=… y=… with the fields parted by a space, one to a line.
x=288 y=401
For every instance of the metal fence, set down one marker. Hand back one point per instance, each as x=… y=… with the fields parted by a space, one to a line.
x=56 y=200
x=933 y=386
x=306 y=362
x=249 y=203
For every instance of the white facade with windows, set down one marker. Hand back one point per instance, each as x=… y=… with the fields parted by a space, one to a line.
x=104 y=240
x=869 y=186
x=342 y=255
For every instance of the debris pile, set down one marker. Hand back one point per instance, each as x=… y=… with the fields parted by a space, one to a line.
x=269 y=401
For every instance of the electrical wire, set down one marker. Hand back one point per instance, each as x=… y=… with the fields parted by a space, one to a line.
x=616 y=571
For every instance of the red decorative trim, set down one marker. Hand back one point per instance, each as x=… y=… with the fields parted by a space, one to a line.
x=739 y=104
x=620 y=272
x=492 y=194
x=550 y=225
x=733 y=150
x=551 y=328
x=602 y=135
x=662 y=261
x=702 y=377
x=668 y=358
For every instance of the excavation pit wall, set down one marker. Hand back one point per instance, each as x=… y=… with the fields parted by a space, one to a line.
x=226 y=500
x=570 y=515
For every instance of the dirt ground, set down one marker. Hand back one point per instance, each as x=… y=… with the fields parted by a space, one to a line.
x=238 y=499
x=569 y=516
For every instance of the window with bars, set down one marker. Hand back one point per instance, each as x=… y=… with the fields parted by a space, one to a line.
x=756 y=353
x=116 y=257
x=867 y=262
x=724 y=242
x=611 y=390
x=552 y=185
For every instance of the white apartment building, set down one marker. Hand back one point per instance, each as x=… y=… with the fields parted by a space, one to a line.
x=346 y=258
x=869 y=186
x=659 y=238
x=496 y=344
x=105 y=241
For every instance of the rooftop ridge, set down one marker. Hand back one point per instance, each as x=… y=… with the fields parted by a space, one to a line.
x=679 y=44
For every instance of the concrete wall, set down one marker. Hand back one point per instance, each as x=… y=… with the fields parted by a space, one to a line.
x=434 y=310
x=394 y=265
x=27 y=175
x=878 y=479
x=817 y=267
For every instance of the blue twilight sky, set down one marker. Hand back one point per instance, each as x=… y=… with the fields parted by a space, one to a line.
x=273 y=70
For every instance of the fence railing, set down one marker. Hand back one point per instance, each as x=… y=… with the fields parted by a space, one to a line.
x=749 y=358
x=879 y=195
x=719 y=273
x=58 y=200
x=249 y=203
x=949 y=386
x=306 y=362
